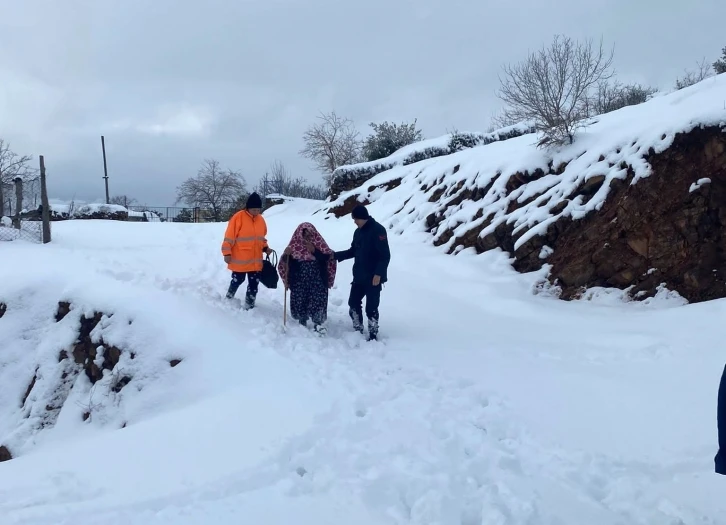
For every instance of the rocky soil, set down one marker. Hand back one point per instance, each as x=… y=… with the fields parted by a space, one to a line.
x=90 y=355
x=669 y=228
x=664 y=230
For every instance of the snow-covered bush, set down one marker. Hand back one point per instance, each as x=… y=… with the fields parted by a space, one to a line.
x=101 y=211
x=348 y=177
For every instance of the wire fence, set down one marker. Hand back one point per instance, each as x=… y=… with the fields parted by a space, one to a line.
x=30 y=231
x=175 y=214
x=221 y=213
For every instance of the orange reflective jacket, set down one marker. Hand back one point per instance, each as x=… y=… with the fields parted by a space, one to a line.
x=244 y=240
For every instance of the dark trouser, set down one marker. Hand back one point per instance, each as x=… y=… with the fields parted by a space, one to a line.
x=372 y=295
x=309 y=294
x=720 y=458
x=252 y=285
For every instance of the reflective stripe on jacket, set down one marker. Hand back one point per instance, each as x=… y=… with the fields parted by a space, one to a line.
x=244 y=240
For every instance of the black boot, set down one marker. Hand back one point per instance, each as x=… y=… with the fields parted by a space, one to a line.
x=249 y=301
x=357 y=321
x=320 y=330
x=372 y=329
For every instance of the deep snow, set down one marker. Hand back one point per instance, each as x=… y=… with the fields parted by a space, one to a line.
x=484 y=404
x=608 y=146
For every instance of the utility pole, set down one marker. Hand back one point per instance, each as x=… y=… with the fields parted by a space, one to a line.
x=105 y=169
x=265 y=191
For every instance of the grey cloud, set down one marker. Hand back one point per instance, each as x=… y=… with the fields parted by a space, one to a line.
x=171 y=82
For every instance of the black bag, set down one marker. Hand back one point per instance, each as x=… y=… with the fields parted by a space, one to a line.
x=268 y=274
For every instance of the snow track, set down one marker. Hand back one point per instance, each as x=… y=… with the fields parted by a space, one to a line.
x=484 y=404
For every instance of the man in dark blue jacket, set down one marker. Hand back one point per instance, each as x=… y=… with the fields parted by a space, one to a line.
x=371 y=255
x=720 y=459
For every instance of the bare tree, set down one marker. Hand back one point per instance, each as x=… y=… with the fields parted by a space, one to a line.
x=313 y=191
x=279 y=180
x=212 y=188
x=552 y=87
x=123 y=200
x=702 y=72
x=12 y=166
x=611 y=96
x=501 y=119
x=331 y=143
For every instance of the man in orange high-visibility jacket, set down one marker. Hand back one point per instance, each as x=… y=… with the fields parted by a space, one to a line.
x=244 y=243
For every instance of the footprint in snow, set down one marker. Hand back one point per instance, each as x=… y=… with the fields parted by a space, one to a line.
x=337 y=301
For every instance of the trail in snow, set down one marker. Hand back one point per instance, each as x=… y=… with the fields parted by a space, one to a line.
x=486 y=404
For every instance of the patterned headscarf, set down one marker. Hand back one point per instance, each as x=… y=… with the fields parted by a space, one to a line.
x=299 y=252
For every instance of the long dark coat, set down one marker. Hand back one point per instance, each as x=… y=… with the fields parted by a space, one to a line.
x=720 y=458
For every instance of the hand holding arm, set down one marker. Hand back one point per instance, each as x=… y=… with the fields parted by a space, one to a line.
x=346 y=254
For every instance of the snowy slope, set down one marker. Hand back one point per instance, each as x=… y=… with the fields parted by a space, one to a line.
x=516 y=183
x=483 y=403
x=426 y=149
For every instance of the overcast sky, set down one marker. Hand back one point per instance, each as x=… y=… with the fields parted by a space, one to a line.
x=171 y=82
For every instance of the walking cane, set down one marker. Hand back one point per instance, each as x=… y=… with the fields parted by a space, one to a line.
x=284 y=310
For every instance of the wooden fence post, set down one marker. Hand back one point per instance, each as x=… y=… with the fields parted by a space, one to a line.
x=18 y=200
x=45 y=214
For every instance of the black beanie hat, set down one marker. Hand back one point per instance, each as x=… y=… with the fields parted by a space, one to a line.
x=253 y=201
x=360 y=212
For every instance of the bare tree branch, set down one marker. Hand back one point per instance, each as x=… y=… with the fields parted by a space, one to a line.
x=702 y=72
x=552 y=87
x=122 y=200
x=282 y=182
x=501 y=119
x=331 y=143
x=280 y=177
x=12 y=166
x=212 y=188
x=611 y=96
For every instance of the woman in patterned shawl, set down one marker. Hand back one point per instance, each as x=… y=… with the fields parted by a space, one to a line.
x=308 y=272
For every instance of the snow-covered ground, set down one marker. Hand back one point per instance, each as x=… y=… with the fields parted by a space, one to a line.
x=605 y=149
x=483 y=403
